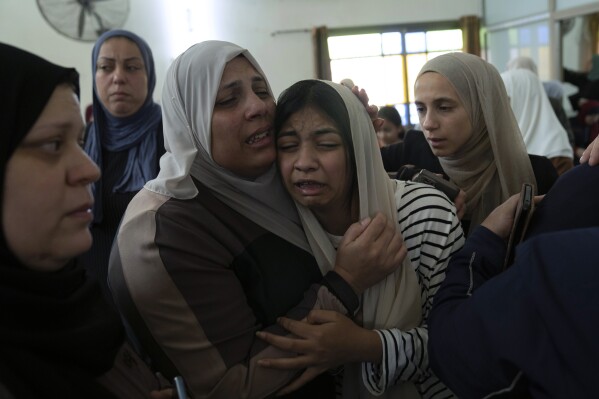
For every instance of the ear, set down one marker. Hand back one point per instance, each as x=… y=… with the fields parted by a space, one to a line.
x=377 y=123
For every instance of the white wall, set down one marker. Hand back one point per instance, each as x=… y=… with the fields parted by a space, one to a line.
x=170 y=26
x=287 y=58
x=22 y=25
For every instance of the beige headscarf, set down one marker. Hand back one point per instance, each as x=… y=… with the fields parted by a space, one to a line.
x=395 y=301
x=188 y=97
x=494 y=163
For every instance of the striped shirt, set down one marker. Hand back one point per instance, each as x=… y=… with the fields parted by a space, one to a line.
x=432 y=233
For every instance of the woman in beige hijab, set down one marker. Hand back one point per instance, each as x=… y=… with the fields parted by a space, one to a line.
x=466 y=116
x=331 y=165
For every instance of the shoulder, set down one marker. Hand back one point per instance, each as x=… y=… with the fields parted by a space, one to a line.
x=420 y=196
x=145 y=203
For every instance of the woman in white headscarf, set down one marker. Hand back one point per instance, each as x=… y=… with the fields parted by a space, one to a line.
x=330 y=162
x=212 y=250
x=542 y=132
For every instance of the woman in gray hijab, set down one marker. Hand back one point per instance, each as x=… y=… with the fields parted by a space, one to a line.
x=212 y=250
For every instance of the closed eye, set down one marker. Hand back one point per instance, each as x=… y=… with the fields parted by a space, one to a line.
x=286 y=147
x=329 y=145
x=226 y=101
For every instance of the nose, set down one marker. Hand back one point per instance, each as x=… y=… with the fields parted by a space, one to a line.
x=82 y=170
x=428 y=121
x=256 y=106
x=306 y=159
x=118 y=74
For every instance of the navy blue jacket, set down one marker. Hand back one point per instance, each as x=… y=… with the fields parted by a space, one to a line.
x=530 y=331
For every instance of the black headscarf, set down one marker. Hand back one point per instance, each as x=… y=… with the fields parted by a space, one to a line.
x=56 y=333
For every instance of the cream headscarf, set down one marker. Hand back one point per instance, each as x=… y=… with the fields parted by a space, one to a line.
x=493 y=164
x=395 y=301
x=542 y=132
x=188 y=98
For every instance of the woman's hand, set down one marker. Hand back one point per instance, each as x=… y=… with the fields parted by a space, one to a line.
x=591 y=154
x=373 y=110
x=370 y=250
x=501 y=219
x=325 y=340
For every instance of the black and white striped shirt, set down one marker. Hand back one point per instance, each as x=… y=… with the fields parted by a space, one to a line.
x=432 y=233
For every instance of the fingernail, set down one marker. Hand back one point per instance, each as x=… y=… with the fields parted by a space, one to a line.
x=365 y=221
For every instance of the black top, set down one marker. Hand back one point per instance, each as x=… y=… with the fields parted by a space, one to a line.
x=114 y=205
x=56 y=335
x=570 y=204
x=414 y=150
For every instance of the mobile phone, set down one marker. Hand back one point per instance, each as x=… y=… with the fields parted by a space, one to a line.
x=447 y=187
x=522 y=217
x=179 y=391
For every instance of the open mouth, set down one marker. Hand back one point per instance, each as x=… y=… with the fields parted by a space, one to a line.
x=256 y=138
x=308 y=184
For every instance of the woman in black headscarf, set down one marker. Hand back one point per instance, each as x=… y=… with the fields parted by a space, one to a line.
x=58 y=338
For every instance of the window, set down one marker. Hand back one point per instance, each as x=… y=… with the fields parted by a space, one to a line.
x=386 y=63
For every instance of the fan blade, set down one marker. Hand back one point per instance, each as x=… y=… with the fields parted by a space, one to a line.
x=81 y=22
x=100 y=23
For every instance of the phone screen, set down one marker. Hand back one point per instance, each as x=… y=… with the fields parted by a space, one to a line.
x=179 y=392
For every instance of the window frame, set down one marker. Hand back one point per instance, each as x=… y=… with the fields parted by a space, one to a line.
x=402 y=29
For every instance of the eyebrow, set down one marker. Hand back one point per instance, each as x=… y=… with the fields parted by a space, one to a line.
x=59 y=127
x=319 y=132
x=439 y=100
x=237 y=83
x=55 y=125
x=134 y=58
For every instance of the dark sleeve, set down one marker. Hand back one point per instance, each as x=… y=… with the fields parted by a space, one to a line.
x=526 y=330
x=544 y=171
x=571 y=203
x=417 y=152
x=392 y=156
x=466 y=334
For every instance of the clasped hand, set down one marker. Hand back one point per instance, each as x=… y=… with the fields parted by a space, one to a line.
x=322 y=341
x=370 y=250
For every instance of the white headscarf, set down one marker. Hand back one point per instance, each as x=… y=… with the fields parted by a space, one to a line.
x=188 y=98
x=542 y=132
x=394 y=302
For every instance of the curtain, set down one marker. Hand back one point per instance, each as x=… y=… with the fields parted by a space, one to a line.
x=322 y=62
x=594 y=31
x=470 y=25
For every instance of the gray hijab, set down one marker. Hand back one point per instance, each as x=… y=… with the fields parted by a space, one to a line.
x=188 y=98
